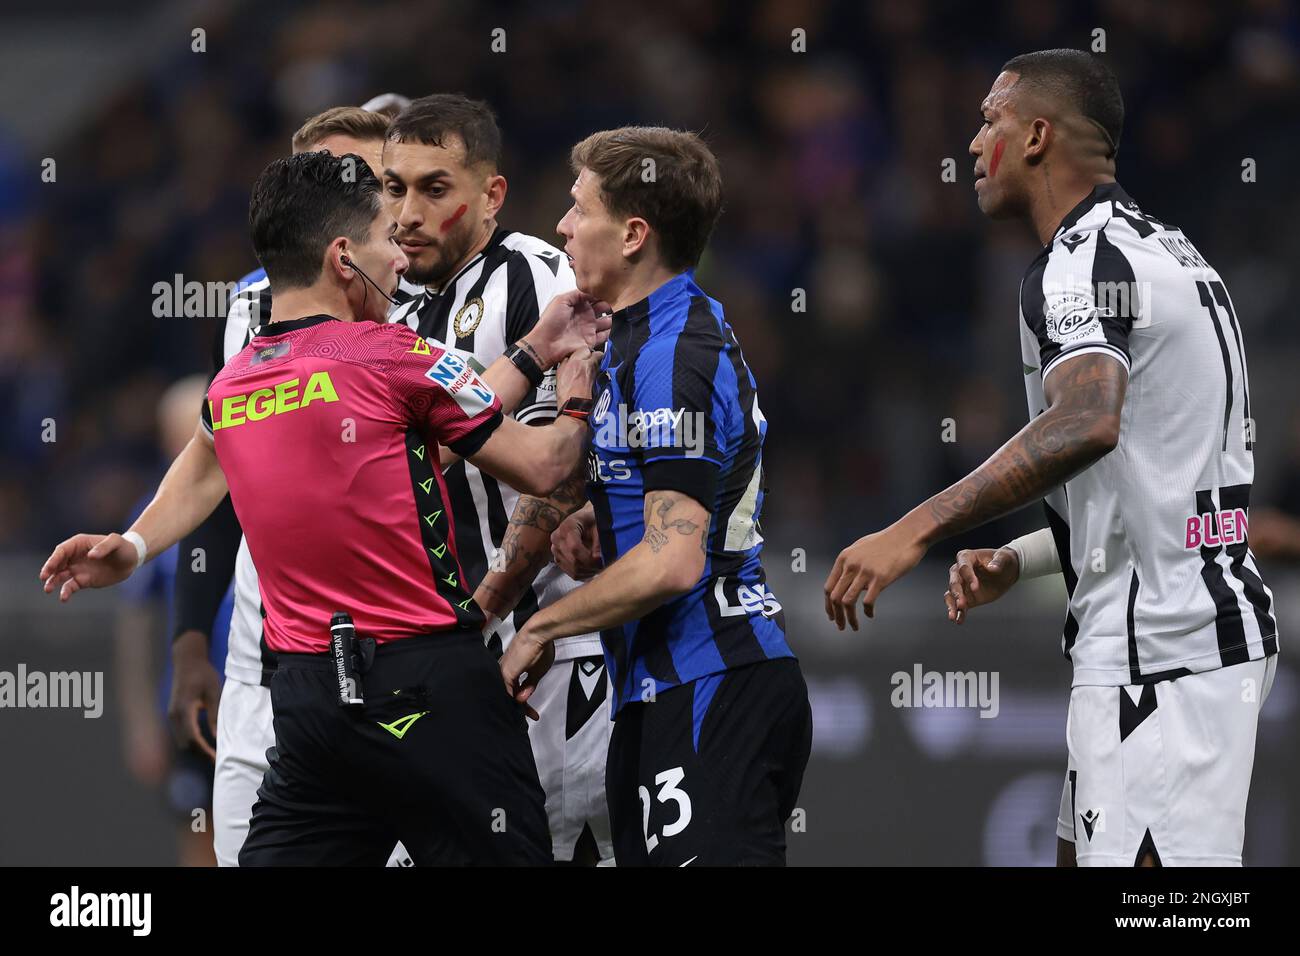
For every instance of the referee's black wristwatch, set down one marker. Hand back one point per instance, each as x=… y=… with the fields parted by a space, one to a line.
x=522 y=359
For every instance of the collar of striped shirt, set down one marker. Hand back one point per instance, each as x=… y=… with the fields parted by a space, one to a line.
x=1102 y=192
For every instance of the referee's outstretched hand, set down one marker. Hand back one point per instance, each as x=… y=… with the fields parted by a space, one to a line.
x=573 y=320
x=88 y=561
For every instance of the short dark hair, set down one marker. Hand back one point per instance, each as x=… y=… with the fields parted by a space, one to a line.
x=681 y=201
x=300 y=204
x=1078 y=80
x=429 y=119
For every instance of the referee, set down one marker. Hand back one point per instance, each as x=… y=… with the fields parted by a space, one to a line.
x=244 y=732
x=327 y=427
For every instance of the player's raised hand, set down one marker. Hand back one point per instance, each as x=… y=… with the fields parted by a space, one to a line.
x=979 y=576
x=576 y=376
x=573 y=320
x=88 y=561
x=867 y=567
x=524 y=663
x=575 y=545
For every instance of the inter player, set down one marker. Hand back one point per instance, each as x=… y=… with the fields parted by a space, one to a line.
x=1141 y=443
x=484 y=286
x=712 y=724
x=328 y=431
x=244 y=731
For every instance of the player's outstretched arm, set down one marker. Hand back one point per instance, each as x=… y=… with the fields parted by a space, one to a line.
x=193 y=486
x=668 y=561
x=526 y=547
x=535 y=460
x=572 y=322
x=1085 y=396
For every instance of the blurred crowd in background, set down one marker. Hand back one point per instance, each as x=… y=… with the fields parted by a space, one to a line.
x=833 y=161
x=875 y=305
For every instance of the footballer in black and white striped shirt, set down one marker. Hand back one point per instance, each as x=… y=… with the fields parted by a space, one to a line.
x=484 y=288
x=1141 y=442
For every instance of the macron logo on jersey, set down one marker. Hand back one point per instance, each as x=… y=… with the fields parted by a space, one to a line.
x=1232 y=526
x=462 y=383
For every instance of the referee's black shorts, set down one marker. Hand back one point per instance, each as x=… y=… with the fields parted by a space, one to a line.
x=708 y=773
x=456 y=784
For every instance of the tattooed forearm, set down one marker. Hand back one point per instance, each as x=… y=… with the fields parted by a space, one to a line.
x=535 y=513
x=572 y=492
x=1079 y=427
x=526 y=547
x=660 y=520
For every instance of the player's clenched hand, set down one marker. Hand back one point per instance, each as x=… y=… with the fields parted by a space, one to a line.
x=979 y=576
x=196 y=687
x=523 y=664
x=573 y=320
x=575 y=545
x=88 y=561
x=576 y=375
x=867 y=567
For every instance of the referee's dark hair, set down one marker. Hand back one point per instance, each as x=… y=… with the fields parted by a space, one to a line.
x=1077 y=80
x=430 y=119
x=301 y=204
x=667 y=177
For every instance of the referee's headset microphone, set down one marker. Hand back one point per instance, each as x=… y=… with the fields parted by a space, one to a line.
x=345 y=260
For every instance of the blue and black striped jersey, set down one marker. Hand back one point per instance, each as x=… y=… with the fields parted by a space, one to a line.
x=677 y=408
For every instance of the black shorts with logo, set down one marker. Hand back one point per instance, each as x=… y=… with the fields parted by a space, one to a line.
x=438 y=758
x=719 y=800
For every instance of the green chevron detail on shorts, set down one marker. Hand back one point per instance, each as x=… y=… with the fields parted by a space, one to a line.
x=451 y=579
x=426 y=485
x=439 y=551
x=430 y=519
x=401 y=725
x=464 y=605
x=419 y=452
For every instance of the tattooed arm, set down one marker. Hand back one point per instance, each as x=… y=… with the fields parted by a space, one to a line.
x=526 y=547
x=668 y=561
x=1085 y=396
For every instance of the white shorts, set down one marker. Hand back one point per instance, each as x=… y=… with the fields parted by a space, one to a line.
x=1163 y=768
x=570 y=744
x=244 y=734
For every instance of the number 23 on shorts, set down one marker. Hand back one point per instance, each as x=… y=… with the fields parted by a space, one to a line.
x=669 y=790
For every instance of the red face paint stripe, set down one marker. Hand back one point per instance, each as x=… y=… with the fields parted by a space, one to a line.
x=455 y=216
x=997 y=157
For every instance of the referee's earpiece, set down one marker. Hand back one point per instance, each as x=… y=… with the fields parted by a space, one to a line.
x=346 y=260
